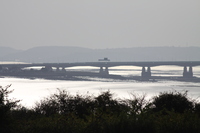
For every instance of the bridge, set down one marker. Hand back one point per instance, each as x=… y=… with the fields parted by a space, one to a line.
x=104 y=66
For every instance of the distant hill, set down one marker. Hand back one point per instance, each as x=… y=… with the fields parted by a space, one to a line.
x=63 y=54
x=4 y=51
x=47 y=54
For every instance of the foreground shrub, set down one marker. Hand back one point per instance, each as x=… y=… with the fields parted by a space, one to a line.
x=6 y=105
x=173 y=101
x=169 y=112
x=64 y=103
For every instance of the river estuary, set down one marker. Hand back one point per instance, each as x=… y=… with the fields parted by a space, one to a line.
x=30 y=91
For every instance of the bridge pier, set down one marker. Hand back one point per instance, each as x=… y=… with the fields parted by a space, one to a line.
x=186 y=73
x=146 y=74
x=103 y=71
x=57 y=69
x=1 y=68
x=63 y=69
x=47 y=69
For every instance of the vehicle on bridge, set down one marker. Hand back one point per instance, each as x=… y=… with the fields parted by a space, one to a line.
x=104 y=59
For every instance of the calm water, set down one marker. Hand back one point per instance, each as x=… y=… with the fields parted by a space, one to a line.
x=30 y=91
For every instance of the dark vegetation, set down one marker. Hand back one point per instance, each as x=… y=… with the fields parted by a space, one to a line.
x=169 y=112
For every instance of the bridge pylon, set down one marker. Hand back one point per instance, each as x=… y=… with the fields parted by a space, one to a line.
x=47 y=69
x=104 y=71
x=187 y=73
x=63 y=69
x=57 y=69
x=146 y=74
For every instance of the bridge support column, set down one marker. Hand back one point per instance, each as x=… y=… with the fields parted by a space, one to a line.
x=149 y=71
x=58 y=69
x=47 y=69
x=186 y=73
x=143 y=71
x=106 y=71
x=146 y=74
x=63 y=69
x=3 y=69
x=103 y=71
x=190 y=71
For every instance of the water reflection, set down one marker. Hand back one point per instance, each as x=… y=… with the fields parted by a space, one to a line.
x=30 y=91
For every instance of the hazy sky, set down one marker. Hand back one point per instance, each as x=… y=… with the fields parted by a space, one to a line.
x=99 y=23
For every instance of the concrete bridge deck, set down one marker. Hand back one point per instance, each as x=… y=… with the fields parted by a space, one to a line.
x=104 y=66
x=107 y=64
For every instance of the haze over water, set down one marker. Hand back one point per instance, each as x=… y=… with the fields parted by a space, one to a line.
x=33 y=90
x=100 y=25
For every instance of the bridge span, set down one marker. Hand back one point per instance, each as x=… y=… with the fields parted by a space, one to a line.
x=104 y=66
